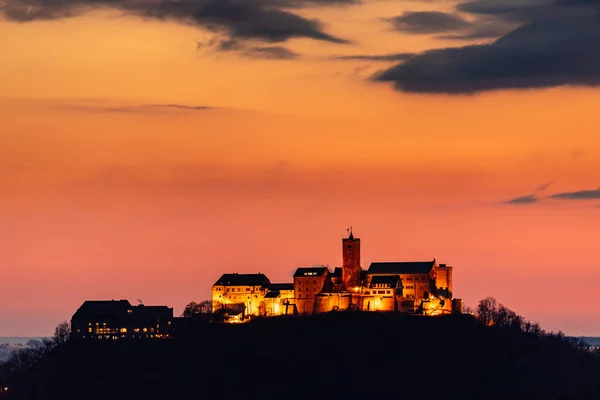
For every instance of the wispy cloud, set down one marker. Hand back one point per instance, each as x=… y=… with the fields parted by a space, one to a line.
x=591 y=194
x=543 y=186
x=134 y=109
x=376 y=57
x=522 y=200
x=450 y=25
x=247 y=49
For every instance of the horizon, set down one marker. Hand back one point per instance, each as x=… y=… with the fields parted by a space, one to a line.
x=147 y=150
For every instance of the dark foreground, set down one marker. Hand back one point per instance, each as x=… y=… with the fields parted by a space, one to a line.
x=339 y=355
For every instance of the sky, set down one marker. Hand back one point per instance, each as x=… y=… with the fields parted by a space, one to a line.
x=147 y=147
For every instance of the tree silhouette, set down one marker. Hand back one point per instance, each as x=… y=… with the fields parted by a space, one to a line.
x=62 y=332
x=487 y=310
x=206 y=307
x=191 y=309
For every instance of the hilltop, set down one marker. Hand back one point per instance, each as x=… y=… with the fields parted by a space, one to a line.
x=329 y=356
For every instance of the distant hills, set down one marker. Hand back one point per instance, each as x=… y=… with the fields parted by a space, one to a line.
x=10 y=344
x=591 y=340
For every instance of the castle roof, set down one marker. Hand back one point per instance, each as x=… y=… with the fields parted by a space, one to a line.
x=337 y=272
x=392 y=280
x=102 y=308
x=273 y=294
x=391 y=268
x=280 y=286
x=152 y=312
x=120 y=310
x=243 y=280
x=312 y=271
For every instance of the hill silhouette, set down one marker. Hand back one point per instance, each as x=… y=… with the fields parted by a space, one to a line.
x=329 y=356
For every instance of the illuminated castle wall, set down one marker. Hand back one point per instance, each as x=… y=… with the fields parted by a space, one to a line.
x=413 y=287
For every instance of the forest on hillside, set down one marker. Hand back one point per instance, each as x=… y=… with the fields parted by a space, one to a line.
x=495 y=354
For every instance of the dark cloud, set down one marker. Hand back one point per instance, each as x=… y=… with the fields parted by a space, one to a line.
x=239 y=19
x=376 y=57
x=543 y=53
x=513 y=10
x=428 y=22
x=521 y=200
x=593 y=194
x=270 y=53
x=450 y=25
x=248 y=50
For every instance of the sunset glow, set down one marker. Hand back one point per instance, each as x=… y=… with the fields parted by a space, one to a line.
x=141 y=158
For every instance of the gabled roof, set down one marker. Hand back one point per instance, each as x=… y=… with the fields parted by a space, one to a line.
x=312 y=271
x=153 y=311
x=392 y=280
x=272 y=294
x=242 y=280
x=103 y=307
x=337 y=272
x=280 y=286
x=390 y=268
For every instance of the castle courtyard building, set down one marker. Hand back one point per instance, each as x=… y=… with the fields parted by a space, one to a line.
x=422 y=287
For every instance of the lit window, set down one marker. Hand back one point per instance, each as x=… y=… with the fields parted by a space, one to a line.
x=145 y=329
x=90 y=330
x=123 y=330
x=169 y=323
x=129 y=311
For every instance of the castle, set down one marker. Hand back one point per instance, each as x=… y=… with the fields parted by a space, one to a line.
x=411 y=287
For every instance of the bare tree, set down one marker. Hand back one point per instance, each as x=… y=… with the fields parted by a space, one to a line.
x=487 y=309
x=191 y=309
x=507 y=318
x=62 y=332
x=206 y=306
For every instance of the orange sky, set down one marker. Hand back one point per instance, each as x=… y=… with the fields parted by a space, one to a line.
x=103 y=195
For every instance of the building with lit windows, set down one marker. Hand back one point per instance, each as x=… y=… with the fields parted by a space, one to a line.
x=423 y=287
x=238 y=296
x=118 y=319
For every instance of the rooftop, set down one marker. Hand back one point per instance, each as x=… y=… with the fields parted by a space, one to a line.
x=390 y=268
x=392 y=281
x=103 y=307
x=280 y=286
x=312 y=271
x=243 y=280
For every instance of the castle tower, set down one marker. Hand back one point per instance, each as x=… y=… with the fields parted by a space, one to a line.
x=351 y=262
